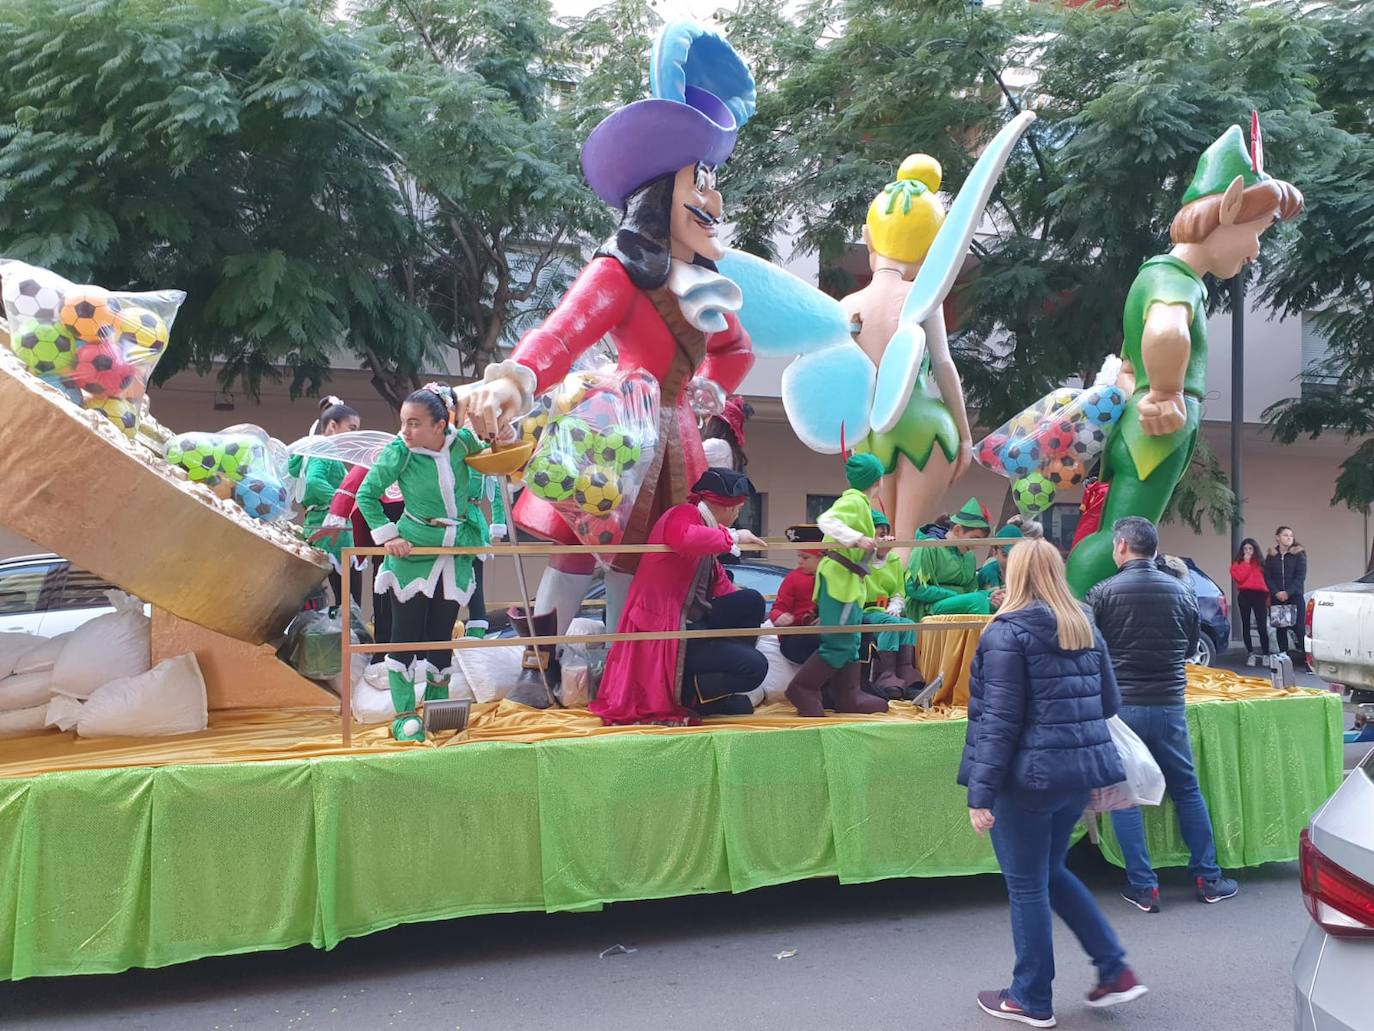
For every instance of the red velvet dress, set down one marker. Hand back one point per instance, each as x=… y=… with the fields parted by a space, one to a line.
x=345 y=505
x=603 y=301
x=643 y=678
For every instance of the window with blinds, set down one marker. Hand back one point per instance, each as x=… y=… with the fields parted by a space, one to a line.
x=1315 y=352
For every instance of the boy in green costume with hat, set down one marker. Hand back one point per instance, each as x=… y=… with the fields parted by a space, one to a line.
x=1226 y=208
x=992 y=574
x=937 y=578
x=840 y=592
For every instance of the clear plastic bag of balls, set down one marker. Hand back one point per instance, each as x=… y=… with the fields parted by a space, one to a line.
x=597 y=439
x=240 y=462
x=98 y=347
x=1050 y=447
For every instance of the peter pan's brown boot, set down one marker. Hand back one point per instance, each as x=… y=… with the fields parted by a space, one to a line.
x=844 y=689
x=805 y=689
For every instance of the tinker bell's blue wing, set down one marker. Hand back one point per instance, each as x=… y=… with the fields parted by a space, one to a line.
x=358 y=447
x=831 y=384
x=937 y=273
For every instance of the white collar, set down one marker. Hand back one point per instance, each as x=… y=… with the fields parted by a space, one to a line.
x=706 y=515
x=703 y=294
x=450 y=435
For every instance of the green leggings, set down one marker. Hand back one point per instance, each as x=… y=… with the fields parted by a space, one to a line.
x=838 y=650
x=890 y=640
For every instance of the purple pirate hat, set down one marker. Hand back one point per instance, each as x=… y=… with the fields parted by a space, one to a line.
x=702 y=95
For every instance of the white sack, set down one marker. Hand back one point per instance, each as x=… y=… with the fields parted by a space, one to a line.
x=168 y=699
x=109 y=647
x=781 y=669
x=22 y=721
x=42 y=655
x=14 y=645
x=25 y=690
x=490 y=673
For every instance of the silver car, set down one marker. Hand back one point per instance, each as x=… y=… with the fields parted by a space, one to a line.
x=1337 y=860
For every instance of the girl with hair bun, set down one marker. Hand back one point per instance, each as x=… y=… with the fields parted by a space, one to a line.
x=931 y=445
x=317 y=480
x=427 y=462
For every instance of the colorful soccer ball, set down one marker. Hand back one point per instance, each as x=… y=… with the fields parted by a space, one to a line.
x=569 y=394
x=1104 y=405
x=101 y=370
x=617 y=449
x=597 y=491
x=990 y=451
x=1088 y=442
x=197 y=454
x=1060 y=399
x=1066 y=471
x=1019 y=457
x=91 y=315
x=550 y=480
x=1056 y=437
x=579 y=437
x=262 y=498
x=236 y=459
x=532 y=425
x=124 y=414
x=1025 y=424
x=1032 y=493
x=142 y=335
x=35 y=299
x=45 y=348
x=602 y=530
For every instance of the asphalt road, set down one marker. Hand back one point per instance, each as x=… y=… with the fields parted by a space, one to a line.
x=892 y=955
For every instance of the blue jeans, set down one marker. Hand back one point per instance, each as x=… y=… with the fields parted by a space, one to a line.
x=1164 y=729
x=1030 y=835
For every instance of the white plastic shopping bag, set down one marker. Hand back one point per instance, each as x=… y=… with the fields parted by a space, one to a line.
x=1144 y=783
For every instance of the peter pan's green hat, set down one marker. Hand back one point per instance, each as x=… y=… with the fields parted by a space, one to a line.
x=881 y=519
x=1219 y=165
x=1010 y=532
x=862 y=471
x=973 y=516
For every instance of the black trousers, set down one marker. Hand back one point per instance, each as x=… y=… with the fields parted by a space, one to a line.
x=1254 y=607
x=423 y=619
x=716 y=670
x=355 y=587
x=1296 y=631
x=799 y=647
x=477 y=604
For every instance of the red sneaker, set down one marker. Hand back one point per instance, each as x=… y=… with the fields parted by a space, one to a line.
x=1003 y=1007
x=1124 y=989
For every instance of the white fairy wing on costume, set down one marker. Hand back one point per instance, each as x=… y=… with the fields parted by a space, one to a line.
x=359 y=447
x=827 y=397
x=783 y=314
x=897 y=376
x=946 y=255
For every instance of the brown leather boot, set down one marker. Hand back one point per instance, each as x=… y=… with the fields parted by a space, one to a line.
x=805 y=689
x=907 y=672
x=844 y=689
x=884 y=682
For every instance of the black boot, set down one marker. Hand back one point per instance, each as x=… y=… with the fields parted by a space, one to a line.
x=711 y=694
x=805 y=689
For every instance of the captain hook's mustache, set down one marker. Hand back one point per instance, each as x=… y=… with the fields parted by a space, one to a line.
x=703 y=216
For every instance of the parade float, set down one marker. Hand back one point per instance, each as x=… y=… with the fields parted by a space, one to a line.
x=284 y=822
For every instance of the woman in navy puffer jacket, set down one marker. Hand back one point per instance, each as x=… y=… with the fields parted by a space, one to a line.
x=1041 y=691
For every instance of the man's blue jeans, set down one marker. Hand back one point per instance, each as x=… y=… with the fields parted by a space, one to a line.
x=1164 y=729
x=1030 y=835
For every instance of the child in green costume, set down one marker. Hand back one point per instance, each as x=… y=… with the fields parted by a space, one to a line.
x=427 y=460
x=939 y=580
x=840 y=591
x=318 y=479
x=1227 y=207
x=483 y=488
x=892 y=652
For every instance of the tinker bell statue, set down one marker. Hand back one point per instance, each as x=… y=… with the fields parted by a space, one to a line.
x=862 y=376
x=1226 y=208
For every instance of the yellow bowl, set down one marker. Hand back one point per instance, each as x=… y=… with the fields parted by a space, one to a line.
x=502 y=459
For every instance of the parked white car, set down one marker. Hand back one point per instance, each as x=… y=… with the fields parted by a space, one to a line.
x=46 y=595
x=1340 y=636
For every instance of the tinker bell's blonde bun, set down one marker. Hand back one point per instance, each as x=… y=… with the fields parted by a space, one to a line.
x=904 y=218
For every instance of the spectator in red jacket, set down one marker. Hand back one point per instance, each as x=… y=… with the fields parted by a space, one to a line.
x=796 y=606
x=1252 y=598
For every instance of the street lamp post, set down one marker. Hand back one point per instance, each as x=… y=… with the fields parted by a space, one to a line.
x=1237 y=418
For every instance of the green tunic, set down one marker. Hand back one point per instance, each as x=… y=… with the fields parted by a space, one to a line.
x=322 y=479
x=438 y=513
x=990 y=575
x=936 y=575
x=886 y=582
x=1163 y=279
x=485 y=488
x=856 y=512
x=925 y=422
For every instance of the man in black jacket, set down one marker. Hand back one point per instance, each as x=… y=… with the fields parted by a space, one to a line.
x=1149 y=620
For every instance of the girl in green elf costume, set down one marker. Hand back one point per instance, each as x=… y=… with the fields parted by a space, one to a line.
x=1227 y=207
x=427 y=462
x=317 y=479
x=893 y=652
x=840 y=575
x=483 y=488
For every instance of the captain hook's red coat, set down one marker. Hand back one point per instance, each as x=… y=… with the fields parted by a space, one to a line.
x=603 y=301
x=642 y=680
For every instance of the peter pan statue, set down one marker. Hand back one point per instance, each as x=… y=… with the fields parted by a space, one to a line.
x=1227 y=207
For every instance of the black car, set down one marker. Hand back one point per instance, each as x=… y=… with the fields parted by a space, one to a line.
x=1214 y=613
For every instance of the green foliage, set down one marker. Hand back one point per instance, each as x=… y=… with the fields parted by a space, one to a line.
x=318 y=186
x=1203 y=496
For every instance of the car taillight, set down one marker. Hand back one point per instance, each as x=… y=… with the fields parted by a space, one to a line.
x=1341 y=903
x=1311 y=663
x=1225 y=606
